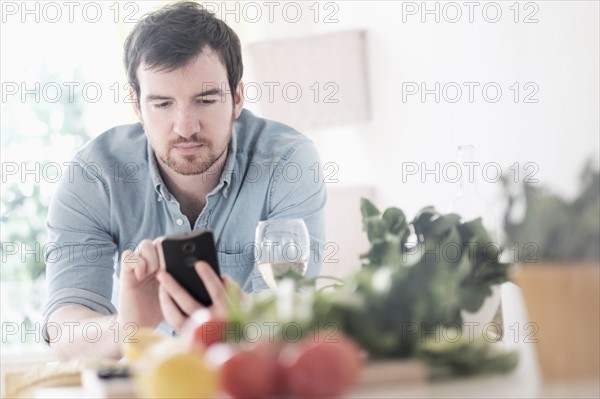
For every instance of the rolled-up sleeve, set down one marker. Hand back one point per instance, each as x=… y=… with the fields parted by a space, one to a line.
x=80 y=252
x=298 y=191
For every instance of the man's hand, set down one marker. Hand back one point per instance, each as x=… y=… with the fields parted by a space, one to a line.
x=139 y=301
x=177 y=304
x=138 y=304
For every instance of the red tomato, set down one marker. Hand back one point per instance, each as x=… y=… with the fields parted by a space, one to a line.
x=316 y=368
x=251 y=373
x=204 y=329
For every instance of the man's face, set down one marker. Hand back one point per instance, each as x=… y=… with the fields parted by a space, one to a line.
x=188 y=113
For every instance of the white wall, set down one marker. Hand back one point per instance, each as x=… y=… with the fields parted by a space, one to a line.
x=559 y=54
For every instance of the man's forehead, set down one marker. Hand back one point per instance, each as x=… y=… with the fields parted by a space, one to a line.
x=206 y=60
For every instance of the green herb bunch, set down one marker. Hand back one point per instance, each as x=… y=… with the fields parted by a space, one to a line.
x=417 y=278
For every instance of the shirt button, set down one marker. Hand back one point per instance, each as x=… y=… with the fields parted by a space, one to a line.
x=179 y=222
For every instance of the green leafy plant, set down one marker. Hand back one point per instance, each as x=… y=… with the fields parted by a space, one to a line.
x=552 y=228
x=418 y=275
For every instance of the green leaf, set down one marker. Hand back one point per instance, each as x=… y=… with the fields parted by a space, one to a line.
x=427 y=212
x=473 y=231
x=376 y=230
x=443 y=224
x=376 y=253
x=423 y=219
x=473 y=295
x=367 y=208
x=395 y=220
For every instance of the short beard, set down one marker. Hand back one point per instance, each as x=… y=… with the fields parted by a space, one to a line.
x=190 y=165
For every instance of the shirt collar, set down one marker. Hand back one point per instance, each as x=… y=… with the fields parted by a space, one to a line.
x=227 y=173
x=157 y=181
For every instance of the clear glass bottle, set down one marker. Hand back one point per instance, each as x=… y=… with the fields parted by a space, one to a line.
x=469 y=204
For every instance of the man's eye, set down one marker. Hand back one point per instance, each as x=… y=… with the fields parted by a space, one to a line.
x=206 y=101
x=161 y=105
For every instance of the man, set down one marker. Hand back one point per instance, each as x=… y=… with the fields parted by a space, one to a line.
x=196 y=160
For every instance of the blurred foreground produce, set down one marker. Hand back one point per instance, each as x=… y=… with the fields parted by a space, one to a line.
x=317 y=368
x=170 y=369
x=313 y=367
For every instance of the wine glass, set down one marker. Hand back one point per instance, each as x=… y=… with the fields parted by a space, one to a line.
x=282 y=249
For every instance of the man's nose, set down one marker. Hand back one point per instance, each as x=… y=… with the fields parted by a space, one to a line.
x=187 y=123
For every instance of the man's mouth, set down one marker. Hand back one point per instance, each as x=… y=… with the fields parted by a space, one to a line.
x=188 y=148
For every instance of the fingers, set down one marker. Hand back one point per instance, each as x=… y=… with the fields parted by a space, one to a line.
x=171 y=312
x=177 y=296
x=129 y=262
x=177 y=304
x=213 y=285
x=147 y=251
x=126 y=261
x=142 y=263
x=157 y=243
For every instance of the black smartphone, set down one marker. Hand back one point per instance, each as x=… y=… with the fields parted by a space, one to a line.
x=180 y=252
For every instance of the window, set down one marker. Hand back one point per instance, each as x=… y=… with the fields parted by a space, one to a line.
x=62 y=83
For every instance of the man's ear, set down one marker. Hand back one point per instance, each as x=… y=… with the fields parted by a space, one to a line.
x=238 y=100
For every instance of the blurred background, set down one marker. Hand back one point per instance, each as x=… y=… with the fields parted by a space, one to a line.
x=387 y=90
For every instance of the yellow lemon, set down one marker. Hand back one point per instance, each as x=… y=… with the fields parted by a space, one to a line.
x=135 y=346
x=177 y=374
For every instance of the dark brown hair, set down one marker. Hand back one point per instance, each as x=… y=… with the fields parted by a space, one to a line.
x=174 y=35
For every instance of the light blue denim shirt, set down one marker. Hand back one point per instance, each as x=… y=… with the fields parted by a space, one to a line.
x=113 y=197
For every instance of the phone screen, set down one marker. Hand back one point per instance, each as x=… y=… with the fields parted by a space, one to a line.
x=181 y=252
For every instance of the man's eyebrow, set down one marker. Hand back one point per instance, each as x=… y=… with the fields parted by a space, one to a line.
x=152 y=97
x=209 y=92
